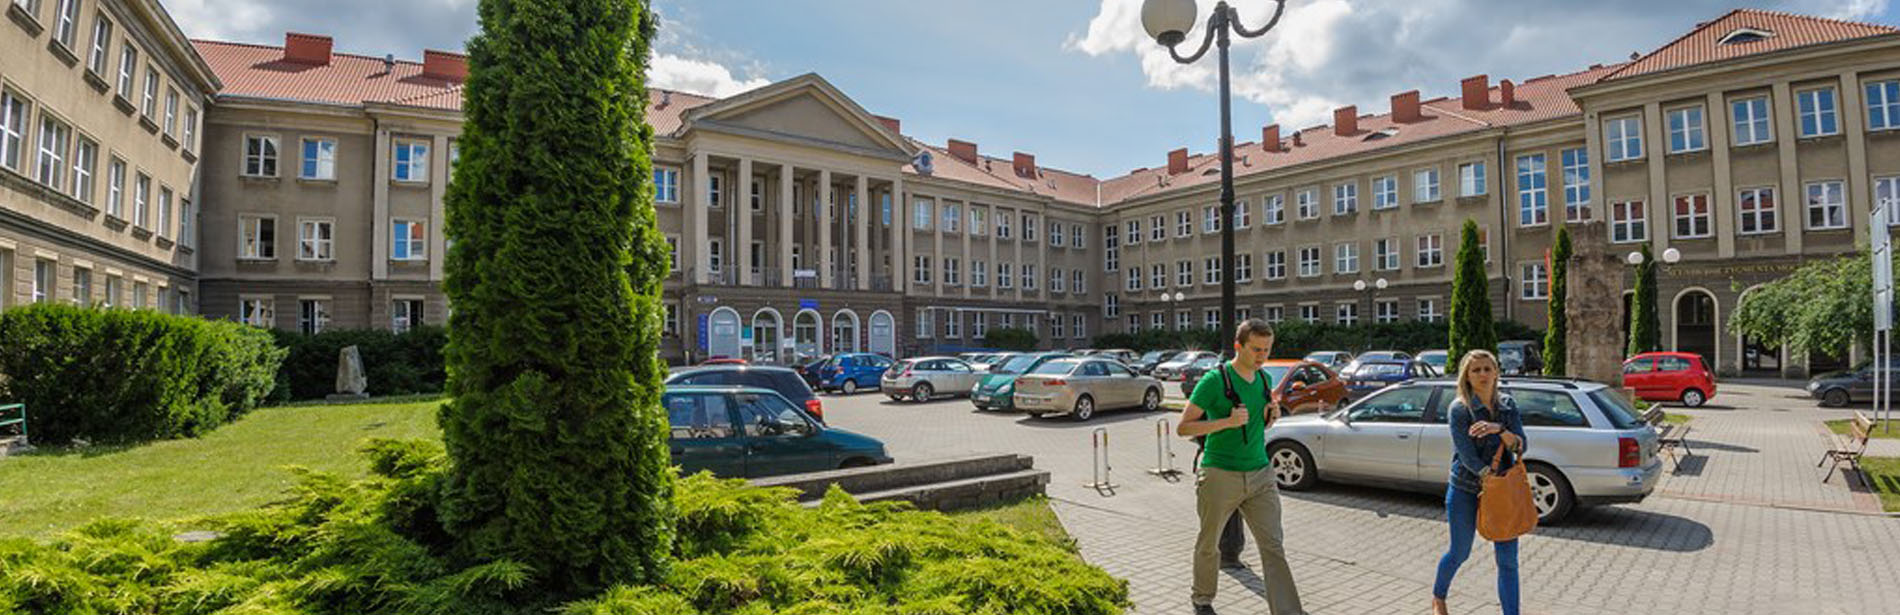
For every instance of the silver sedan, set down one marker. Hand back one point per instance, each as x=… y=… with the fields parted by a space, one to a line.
x=1079 y=387
x=1587 y=444
x=924 y=378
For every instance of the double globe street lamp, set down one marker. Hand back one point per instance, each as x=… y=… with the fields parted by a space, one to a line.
x=1169 y=21
x=1372 y=299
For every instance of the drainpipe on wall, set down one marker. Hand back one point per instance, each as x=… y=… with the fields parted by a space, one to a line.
x=1504 y=226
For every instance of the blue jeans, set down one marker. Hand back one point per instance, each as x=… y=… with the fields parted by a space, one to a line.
x=1461 y=508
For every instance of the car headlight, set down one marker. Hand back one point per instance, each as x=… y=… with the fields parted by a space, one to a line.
x=1006 y=388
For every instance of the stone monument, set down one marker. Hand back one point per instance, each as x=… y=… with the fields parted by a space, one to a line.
x=350 y=379
x=1593 y=304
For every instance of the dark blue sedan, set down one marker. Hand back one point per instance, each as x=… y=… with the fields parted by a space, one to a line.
x=1366 y=377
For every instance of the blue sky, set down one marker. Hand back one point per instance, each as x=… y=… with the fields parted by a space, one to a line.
x=1074 y=82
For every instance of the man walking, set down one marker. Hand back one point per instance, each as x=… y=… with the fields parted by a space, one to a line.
x=1231 y=406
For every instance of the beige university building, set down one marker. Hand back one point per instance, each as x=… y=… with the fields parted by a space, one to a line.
x=295 y=187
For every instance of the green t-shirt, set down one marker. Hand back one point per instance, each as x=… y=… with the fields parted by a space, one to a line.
x=1239 y=450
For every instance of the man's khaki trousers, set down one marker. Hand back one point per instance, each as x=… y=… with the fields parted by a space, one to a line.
x=1218 y=494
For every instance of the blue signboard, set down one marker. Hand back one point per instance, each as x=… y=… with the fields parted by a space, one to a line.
x=808 y=304
x=702 y=333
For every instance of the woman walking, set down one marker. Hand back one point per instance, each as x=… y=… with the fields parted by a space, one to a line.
x=1481 y=422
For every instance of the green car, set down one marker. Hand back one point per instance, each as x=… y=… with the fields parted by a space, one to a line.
x=997 y=390
x=747 y=432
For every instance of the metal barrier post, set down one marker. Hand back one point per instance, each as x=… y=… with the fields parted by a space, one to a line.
x=1164 y=453
x=1098 y=457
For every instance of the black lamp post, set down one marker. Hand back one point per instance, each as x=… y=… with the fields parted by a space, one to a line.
x=1168 y=21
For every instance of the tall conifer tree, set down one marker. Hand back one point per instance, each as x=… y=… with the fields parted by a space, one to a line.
x=1471 y=325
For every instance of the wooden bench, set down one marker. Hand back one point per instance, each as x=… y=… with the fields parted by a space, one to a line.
x=1849 y=449
x=1669 y=436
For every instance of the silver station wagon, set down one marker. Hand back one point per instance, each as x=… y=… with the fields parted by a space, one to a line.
x=1587 y=445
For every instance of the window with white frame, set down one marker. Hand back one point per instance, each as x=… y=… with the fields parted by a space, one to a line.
x=1275 y=265
x=1112 y=307
x=757 y=201
x=1274 y=314
x=715 y=197
x=1243 y=215
x=319 y=158
x=979 y=324
x=1183 y=320
x=755 y=257
x=952 y=218
x=412 y=161
x=1058 y=326
x=1307 y=204
x=13 y=112
x=671 y=328
x=114 y=288
x=191 y=128
x=43 y=280
x=257 y=237
x=139 y=293
x=1693 y=218
x=1029 y=228
x=1273 y=209
x=1471 y=179
x=1818 y=115
x=1883 y=105
x=1345 y=198
x=1078 y=326
x=979 y=221
x=1533 y=200
x=1385 y=192
x=1003 y=227
x=1183 y=223
x=1132 y=232
x=1134 y=280
x=1385 y=254
x=1158 y=277
x=1211 y=270
x=405 y=314
x=82 y=286
x=1134 y=324
x=1345 y=258
x=258 y=311
x=1005 y=276
x=920 y=269
x=666 y=185
x=1158 y=321
x=1057 y=234
x=922 y=210
x=171 y=111
x=1309 y=313
x=141 y=201
x=148 y=102
x=316 y=239
x=1686 y=130
x=952 y=271
x=128 y=68
x=1629 y=222
x=1183 y=273
x=1535 y=283
x=1425 y=186
x=409 y=240
x=1887 y=190
x=1751 y=121
x=1623 y=139
x=1755 y=211
x=1077 y=238
x=66 y=23
x=313 y=315
x=55 y=138
x=1077 y=284
x=1431 y=250
x=1309 y=261
x=185 y=237
x=85 y=155
x=260 y=155
x=1576 y=163
x=1157 y=228
x=953 y=324
x=1827 y=206
x=1428 y=310
x=1210 y=219
x=1386 y=311
x=1484 y=242
x=1029 y=277
x=115 y=188
x=1058 y=282
x=1243 y=268
x=101 y=45
x=673 y=252
x=164 y=211
x=979 y=273
x=1346 y=314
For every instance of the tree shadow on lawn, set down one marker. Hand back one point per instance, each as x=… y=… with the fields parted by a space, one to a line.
x=86 y=451
x=1622 y=526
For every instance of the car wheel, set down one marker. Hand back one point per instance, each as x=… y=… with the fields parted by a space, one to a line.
x=922 y=393
x=1834 y=397
x=850 y=387
x=895 y=397
x=1692 y=398
x=1551 y=493
x=1084 y=409
x=1152 y=400
x=1292 y=466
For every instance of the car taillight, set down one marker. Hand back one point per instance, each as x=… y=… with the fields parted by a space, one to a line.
x=816 y=408
x=1055 y=383
x=1629 y=453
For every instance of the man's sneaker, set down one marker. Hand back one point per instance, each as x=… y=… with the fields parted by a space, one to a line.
x=1204 y=609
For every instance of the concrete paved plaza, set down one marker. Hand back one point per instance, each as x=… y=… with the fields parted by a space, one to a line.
x=1743 y=526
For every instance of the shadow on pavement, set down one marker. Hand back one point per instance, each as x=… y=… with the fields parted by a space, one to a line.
x=1611 y=525
x=1102 y=418
x=1718 y=446
x=1689 y=465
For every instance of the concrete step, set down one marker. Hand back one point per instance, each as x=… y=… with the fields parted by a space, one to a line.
x=897 y=476
x=964 y=494
x=13 y=444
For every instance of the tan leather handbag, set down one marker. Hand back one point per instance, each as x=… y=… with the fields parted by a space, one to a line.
x=1505 y=509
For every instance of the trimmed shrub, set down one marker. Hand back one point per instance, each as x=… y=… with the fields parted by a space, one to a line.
x=1017 y=339
x=121 y=376
x=394 y=363
x=1297 y=338
x=1555 y=336
x=1472 y=327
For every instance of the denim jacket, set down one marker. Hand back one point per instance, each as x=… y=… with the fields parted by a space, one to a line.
x=1471 y=456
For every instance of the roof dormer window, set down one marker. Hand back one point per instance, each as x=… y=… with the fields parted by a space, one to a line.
x=1744 y=35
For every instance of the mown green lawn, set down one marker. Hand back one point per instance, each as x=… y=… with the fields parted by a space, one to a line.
x=1883 y=473
x=241 y=465
x=1676 y=419
x=1032 y=515
x=1845 y=426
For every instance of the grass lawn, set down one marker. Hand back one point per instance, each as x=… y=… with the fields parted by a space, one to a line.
x=239 y=466
x=1844 y=427
x=1031 y=515
x=1676 y=419
x=1884 y=474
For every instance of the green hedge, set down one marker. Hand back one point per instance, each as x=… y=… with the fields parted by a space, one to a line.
x=395 y=363
x=117 y=376
x=1297 y=338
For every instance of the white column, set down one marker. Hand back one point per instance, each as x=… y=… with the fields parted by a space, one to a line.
x=742 y=207
x=900 y=258
x=785 y=225
x=824 y=229
x=699 y=186
x=866 y=210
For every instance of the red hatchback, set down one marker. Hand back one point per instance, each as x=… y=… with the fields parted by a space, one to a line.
x=1669 y=376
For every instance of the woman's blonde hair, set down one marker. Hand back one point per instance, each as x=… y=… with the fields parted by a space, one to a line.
x=1465 y=394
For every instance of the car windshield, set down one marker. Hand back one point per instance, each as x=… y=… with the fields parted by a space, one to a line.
x=1620 y=412
x=900 y=366
x=1276 y=372
x=1055 y=368
x=1206 y=362
x=1153 y=355
x=1376 y=370
x=1015 y=365
x=1322 y=357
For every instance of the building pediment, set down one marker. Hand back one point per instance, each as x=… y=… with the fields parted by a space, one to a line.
x=803 y=110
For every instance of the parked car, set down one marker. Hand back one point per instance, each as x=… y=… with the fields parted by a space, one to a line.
x=1375 y=355
x=1366 y=377
x=723 y=361
x=1436 y=358
x=988 y=361
x=749 y=432
x=1171 y=369
x=809 y=368
x=997 y=388
x=783 y=381
x=1124 y=355
x=1145 y=365
x=1298 y=384
x=1333 y=359
x=1079 y=386
x=1587 y=445
x=924 y=378
x=1191 y=375
x=1845 y=387
x=1521 y=358
x=850 y=372
x=1670 y=376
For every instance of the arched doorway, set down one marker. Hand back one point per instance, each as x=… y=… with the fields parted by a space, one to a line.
x=722 y=333
x=766 y=330
x=844 y=331
x=1695 y=324
x=805 y=339
x=883 y=333
x=1758 y=359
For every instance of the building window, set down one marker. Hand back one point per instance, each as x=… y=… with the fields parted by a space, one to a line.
x=1158 y=277
x=952 y=272
x=1076 y=283
x=1243 y=214
x=1576 y=184
x=1883 y=105
x=1385 y=254
x=1385 y=192
x=1274 y=314
x=979 y=274
x=1818 y=116
x=1887 y=190
x=256 y=311
x=101 y=45
x=1345 y=258
x=1183 y=273
x=953 y=325
x=316 y=239
x=1158 y=321
x=920 y=270
x=1827 y=206
x=1685 y=130
x=979 y=225
x=1157 y=228
x=257 y=237
x=1183 y=223
x=1004 y=276
x=85 y=155
x=952 y=218
x=410 y=240
x=1134 y=280
x=671 y=328
x=921 y=212
x=1077 y=238
x=184 y=224
x=1132 y=232
x=164 y=211
x=43 y=276
x=260 y=156
x=1309 y=261
x=1309 y=313
x=1535 y=284
x=666 y=185
x=1111 y=306
x=1276 y=265
x=191 y=129
x=1629 y=222
x=1346 y=314
x=1273 y=209
x=1756 y=207
x=171 y=111
x=1533 y=201
x=1623 y=138
x=115 y=188
x=757 y=201
x=1751 y=121
x=1029 y=228
x=1183 y=320
x=1134 y=323
x=319 y=158
x=1029 y=277
x=55 y=137
x=979 y=325
x=139 y=292
x=1431 y=250
x=1056 y=234
x=1425 y=186
x=926 y=323
x=1386 y=311
x=1211 y=270
x=412 y=161
x=141 y=198
x=1003 y=228
x=1693 y=217
x=714 y=197
x=66 y=22
x=1471 y=179
x=716 y=256
x=148 y=104
x=405 y=314
x=1058 y=328
x=12 y=129
x=313 y=316
x=1243 y=268
x=1345 y=198
x=82 y=287
x=1428 y=310
x=1307 y=202
x=114 y=288
x=128 y=68
x=1210 y=219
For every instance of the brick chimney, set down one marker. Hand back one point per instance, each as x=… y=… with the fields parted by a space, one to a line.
x=1477 y=92
x=1025 y=165
x=1177 y=161
x=963 y=150
x=1405 y=109
x=1270 y=138
x=307 y=48
x=891 y=124
x=1296 y=138
x=1507 y=94
x=444 y=65
x=1346 y=121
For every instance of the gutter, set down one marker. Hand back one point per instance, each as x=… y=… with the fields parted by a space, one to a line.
x=1504 y=221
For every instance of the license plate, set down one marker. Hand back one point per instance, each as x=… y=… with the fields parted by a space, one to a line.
x=980 y=397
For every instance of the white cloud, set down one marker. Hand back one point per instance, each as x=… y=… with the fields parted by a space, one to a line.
x=697 y=76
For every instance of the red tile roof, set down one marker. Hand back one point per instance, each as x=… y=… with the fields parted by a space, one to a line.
x=665 y=107
x=990 y=171
x=260 y=71
x=1787 y=31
